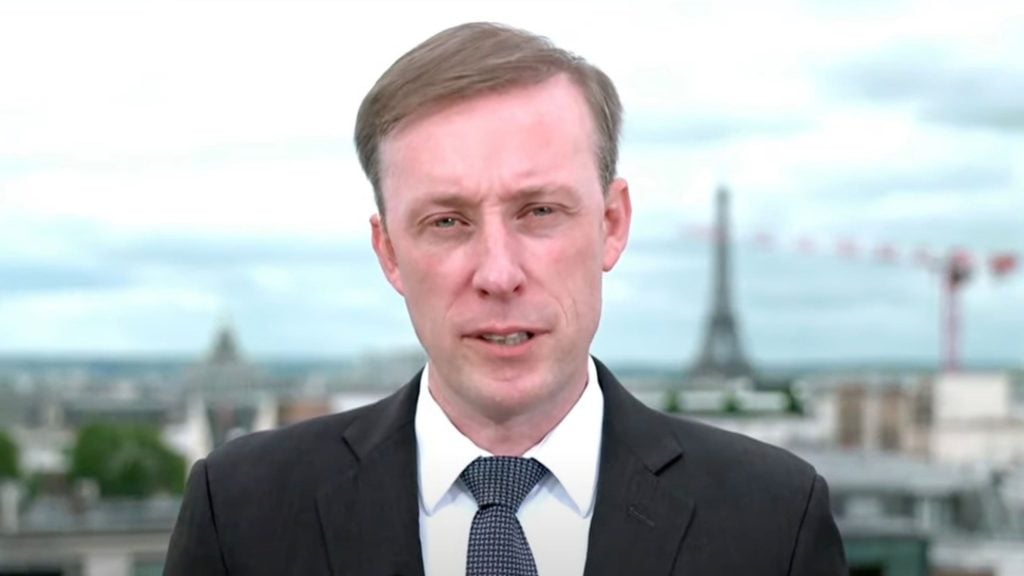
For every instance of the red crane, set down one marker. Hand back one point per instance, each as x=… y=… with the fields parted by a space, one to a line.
x=954 y=270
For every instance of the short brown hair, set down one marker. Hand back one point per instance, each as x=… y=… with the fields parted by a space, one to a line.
x=470 y=60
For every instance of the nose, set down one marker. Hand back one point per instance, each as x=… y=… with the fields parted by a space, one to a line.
x=499 y=272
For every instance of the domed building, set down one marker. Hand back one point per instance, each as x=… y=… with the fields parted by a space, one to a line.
x=227 y=396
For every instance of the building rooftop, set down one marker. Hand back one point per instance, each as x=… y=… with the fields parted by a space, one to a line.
x=56 y=515
x=882 y=472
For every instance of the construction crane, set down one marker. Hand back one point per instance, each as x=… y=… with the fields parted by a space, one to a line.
x=954 y=270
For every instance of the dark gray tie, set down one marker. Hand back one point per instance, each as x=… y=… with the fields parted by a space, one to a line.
x=497 y=545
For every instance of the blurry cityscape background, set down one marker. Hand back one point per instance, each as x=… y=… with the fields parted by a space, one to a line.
x=829 y=221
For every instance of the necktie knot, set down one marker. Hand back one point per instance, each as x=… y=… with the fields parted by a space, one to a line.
x=502 y=480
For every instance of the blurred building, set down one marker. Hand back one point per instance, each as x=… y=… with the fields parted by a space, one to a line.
x=924 y=469
x=83 y=535
x=66 y=530
x=875 y=412
x=956 y=512
x=978 y=418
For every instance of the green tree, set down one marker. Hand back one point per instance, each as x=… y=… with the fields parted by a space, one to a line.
x=127 y=460
x=672 y=403
x=794 y=405
x=8 y=456
x=732 y=404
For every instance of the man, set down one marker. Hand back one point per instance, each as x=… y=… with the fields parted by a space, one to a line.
x=492 y=157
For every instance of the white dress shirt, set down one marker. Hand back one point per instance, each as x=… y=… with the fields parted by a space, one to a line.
x=555 y=516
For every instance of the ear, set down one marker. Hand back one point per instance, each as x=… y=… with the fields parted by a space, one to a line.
x=385 y=253
x=618 y=214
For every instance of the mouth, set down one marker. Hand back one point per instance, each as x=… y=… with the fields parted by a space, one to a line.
x=508 y=339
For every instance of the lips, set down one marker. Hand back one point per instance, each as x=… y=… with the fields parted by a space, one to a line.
x=513 y=339
x=510 y=336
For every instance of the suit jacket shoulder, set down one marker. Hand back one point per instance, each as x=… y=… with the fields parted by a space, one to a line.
x=301 y=499
x=678 y=496
x=298 y=449
x=740 y=465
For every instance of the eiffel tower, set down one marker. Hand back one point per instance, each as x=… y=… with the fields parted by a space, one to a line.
x=721 y=357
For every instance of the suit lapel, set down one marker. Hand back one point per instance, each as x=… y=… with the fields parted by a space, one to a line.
x=639 y=519
x=370 y=516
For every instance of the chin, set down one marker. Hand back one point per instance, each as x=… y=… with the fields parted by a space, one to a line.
x=501 y=407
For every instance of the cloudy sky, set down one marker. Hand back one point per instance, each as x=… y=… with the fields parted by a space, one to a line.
x=167 y=166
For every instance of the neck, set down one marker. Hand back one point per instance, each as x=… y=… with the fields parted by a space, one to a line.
x=508 y=433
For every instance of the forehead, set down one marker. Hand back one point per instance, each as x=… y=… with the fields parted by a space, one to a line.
x=506 y=138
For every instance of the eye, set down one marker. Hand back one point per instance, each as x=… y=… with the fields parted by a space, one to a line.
x=541 y=211
x=444 y=222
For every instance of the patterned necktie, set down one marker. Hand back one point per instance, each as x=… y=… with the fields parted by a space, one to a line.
x=497 y=545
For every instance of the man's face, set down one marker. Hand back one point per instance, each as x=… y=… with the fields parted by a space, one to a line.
x=497 y=234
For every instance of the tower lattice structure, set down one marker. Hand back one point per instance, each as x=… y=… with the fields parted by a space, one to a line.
x=721 y=355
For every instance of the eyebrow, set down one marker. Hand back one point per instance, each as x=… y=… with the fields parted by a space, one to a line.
x=540 y=192
x=457 y=201
x=443 y=200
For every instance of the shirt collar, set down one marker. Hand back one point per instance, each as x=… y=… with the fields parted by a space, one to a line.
x=443 y=451
x=571 y=450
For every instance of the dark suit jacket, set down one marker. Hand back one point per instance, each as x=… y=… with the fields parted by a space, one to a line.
x=338 y=495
